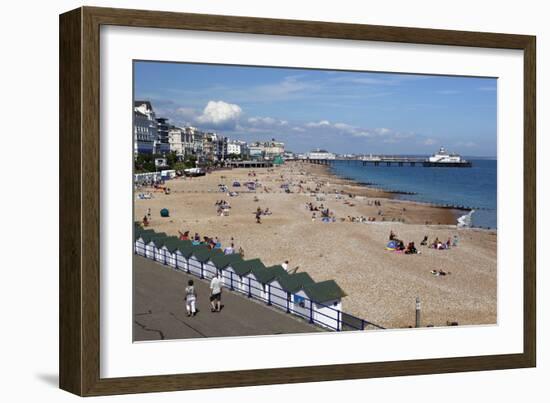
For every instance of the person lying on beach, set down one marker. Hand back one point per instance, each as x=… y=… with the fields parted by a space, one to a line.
x=440 y=272
x=184 y=236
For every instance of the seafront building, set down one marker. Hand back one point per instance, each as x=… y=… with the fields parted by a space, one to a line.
x=145 y=128
x=319 y=154
x=238 y=147
x=266 y=149
x=157 y=136
x=163 y=144
x=175 y=142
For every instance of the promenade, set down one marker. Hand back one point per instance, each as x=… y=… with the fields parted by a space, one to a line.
x=159 y=309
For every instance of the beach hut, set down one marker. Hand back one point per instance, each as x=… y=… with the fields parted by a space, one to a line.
x=139 y=239
x=225 y=263
x=148 y=245
x=264 y=277
x=181 y=255
x=158 y=243
x=257 y=289
x=278 y=296
x=292 y=283
x=209 y=267
x=199 y=255
x=324 y=301
x=168 y=250
x=242 y=268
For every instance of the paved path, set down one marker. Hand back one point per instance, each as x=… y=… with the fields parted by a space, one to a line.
x=159 y=309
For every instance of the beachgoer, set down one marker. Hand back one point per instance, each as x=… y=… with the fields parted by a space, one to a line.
x=285 y=265
x=145 y=221
x=411 y=249
x=258 y=218
x=190 y=299
x=392 y=235
x=229 y=250
x=455 y=240
x=424 y=241
x=216 y=293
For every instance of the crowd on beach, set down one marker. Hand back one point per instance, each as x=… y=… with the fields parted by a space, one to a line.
x=397 y=245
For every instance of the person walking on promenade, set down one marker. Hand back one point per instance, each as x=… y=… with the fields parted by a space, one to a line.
x=216 y=293
x=190 y=299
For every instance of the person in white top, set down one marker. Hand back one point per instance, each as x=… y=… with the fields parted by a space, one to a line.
x=285 y=265
x=216 y=293
x=190 y=299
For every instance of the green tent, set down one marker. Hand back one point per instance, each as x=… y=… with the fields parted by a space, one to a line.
x=278 y=160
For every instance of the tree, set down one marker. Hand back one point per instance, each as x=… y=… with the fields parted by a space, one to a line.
x=144 y=163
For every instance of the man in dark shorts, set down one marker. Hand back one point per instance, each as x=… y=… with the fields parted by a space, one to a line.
x=216 y=294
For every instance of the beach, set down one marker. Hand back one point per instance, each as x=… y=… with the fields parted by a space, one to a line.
x=381 y=285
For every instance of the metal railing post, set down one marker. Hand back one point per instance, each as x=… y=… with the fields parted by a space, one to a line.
x=249 y=288
x=310 y=311
x=417 y=311
x=268 y=294
x=202 y=270
x=231 y=280
x=338 y=314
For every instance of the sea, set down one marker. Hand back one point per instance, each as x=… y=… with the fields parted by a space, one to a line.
x=472 y=188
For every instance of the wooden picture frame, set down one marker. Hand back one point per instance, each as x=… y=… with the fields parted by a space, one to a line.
x=80 y=186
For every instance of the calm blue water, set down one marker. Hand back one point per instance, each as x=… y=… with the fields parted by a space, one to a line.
x=474 y=187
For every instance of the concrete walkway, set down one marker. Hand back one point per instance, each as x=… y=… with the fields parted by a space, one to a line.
x=159 y=309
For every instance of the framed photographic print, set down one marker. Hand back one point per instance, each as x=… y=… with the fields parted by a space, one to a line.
x=250 y=201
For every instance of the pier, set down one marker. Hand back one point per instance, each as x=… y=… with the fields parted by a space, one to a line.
x=249 y=164
x=395 y=161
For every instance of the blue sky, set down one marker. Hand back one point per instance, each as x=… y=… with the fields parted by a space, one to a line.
x=345 y=112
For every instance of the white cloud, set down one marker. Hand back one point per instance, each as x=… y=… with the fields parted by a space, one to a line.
x=468 y=144
x=429 y=142
x=321 y=123
x=220 y=114
x=447 y=92
x=186 y=113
